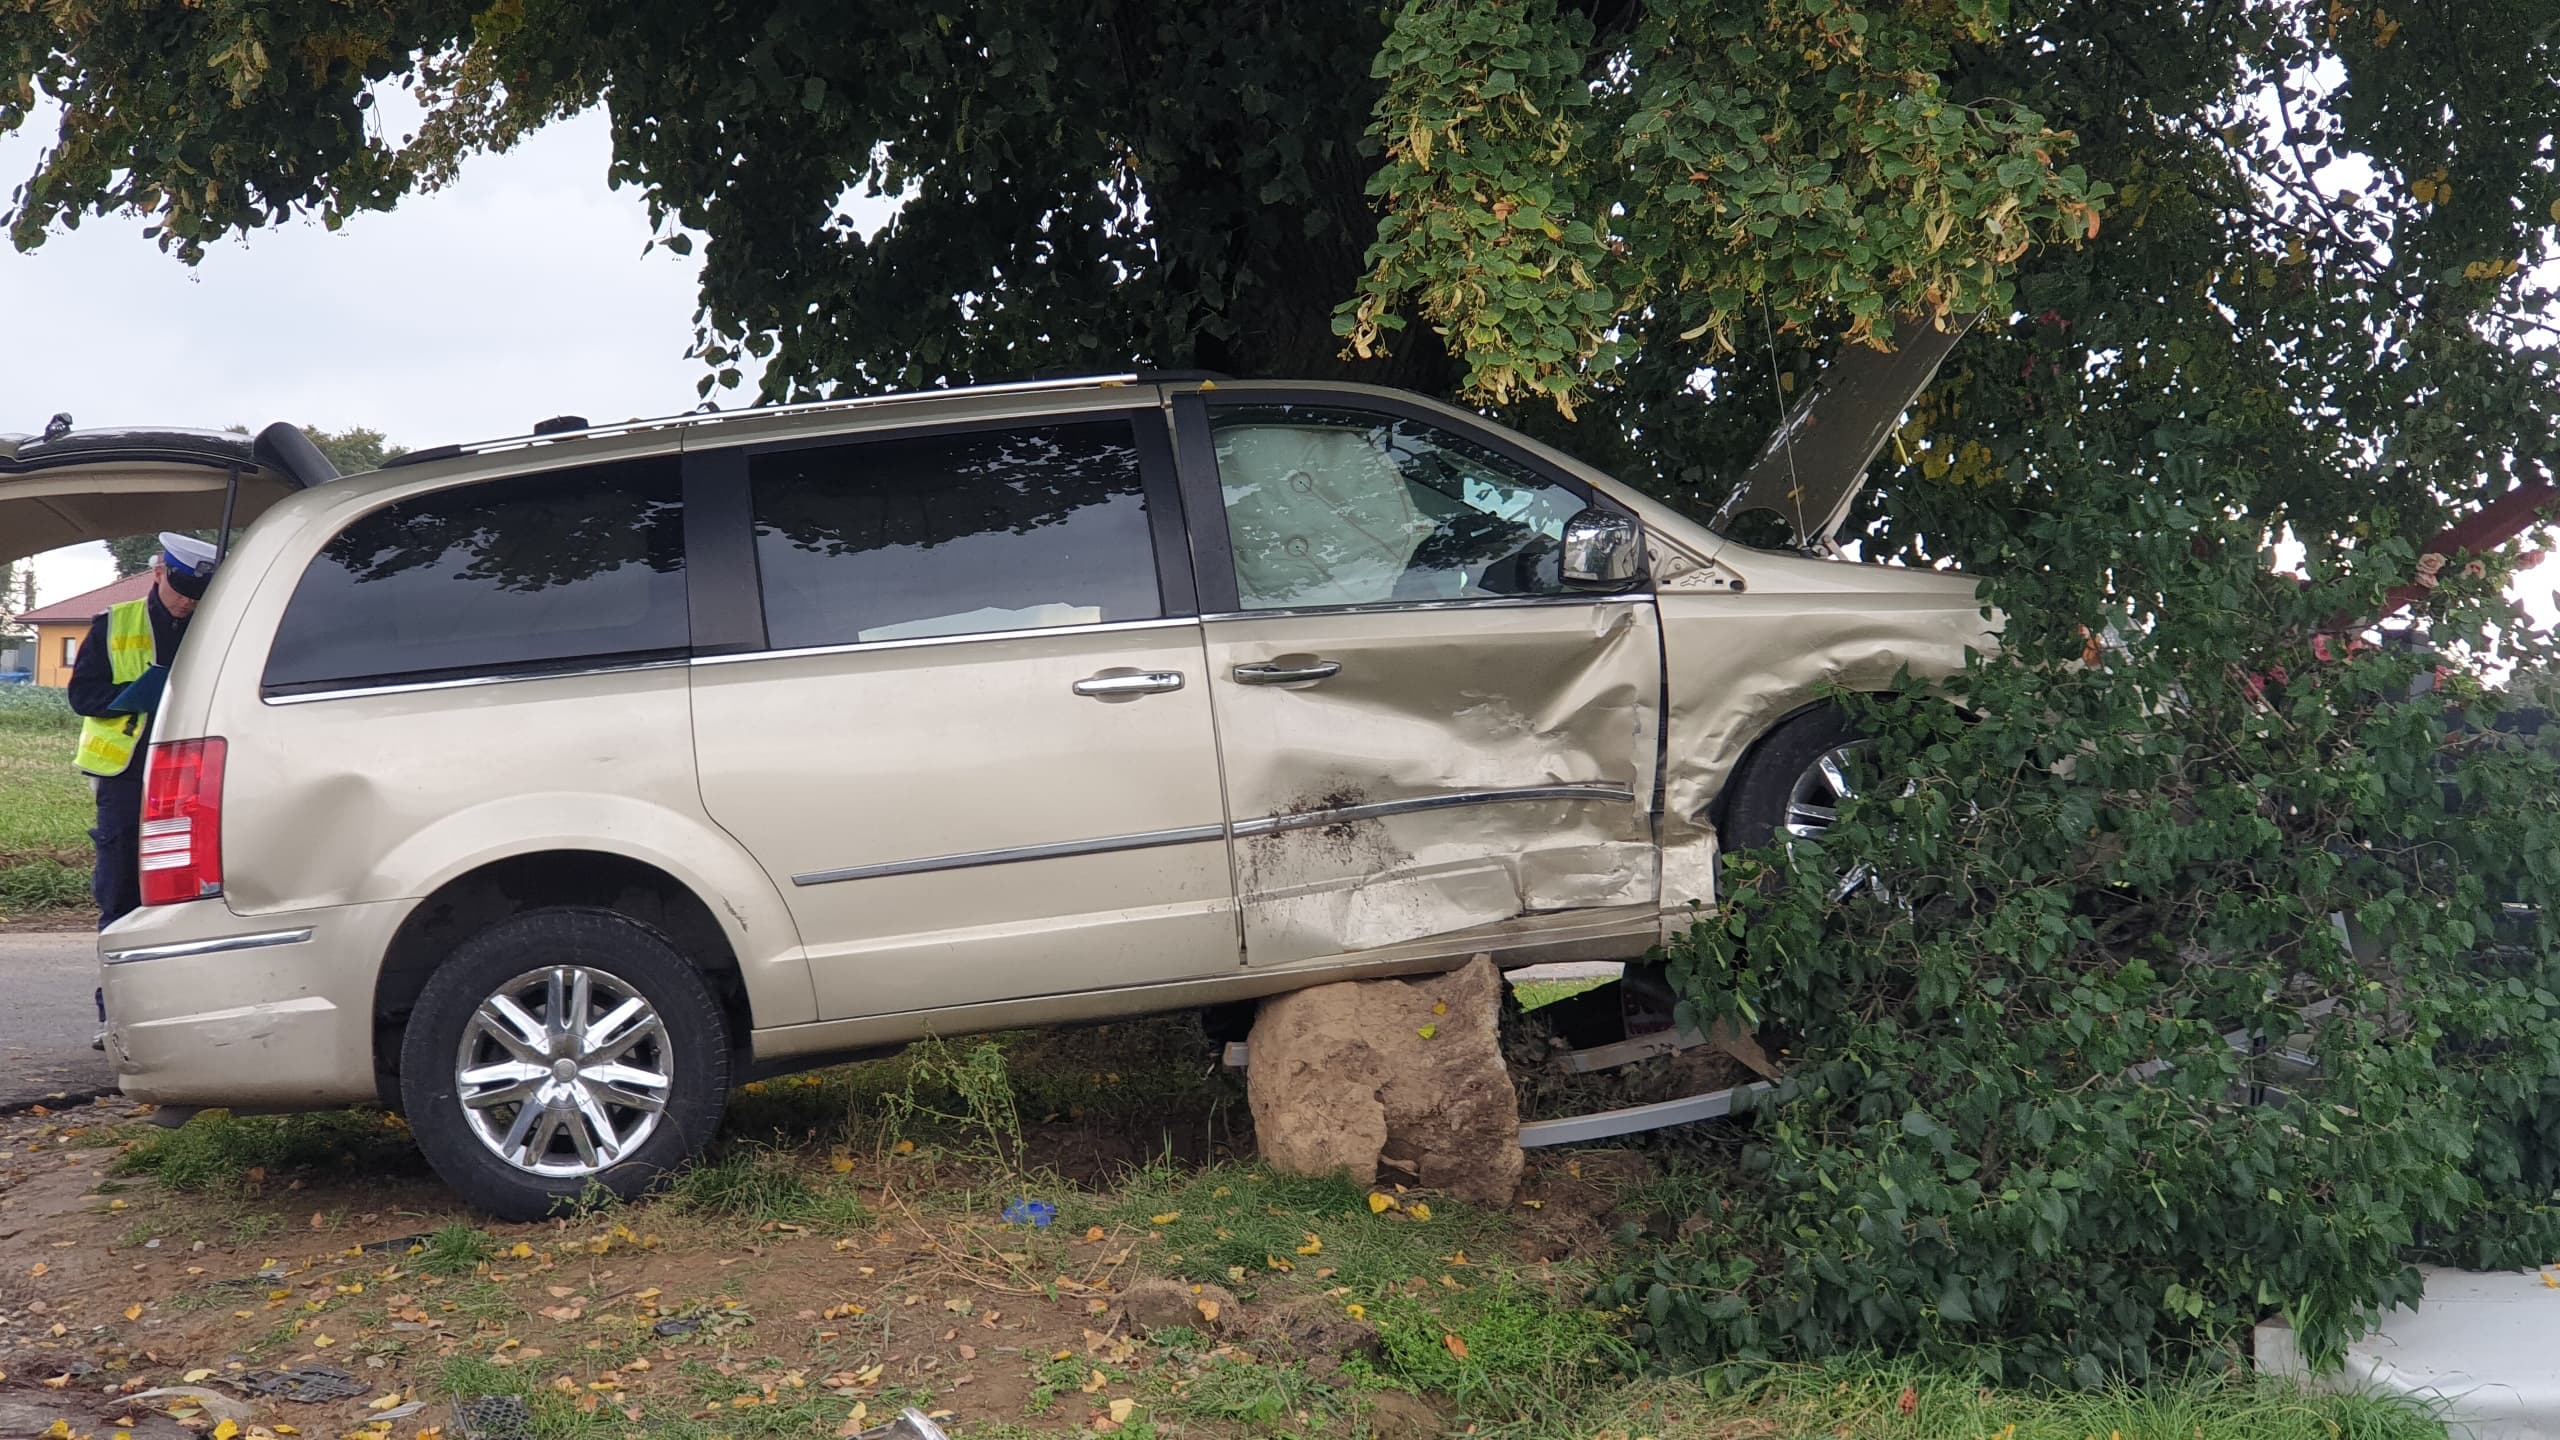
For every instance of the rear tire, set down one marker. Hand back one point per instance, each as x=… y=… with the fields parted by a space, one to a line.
x=592 y=1054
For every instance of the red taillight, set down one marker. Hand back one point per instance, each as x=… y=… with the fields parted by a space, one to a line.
x=182 y=822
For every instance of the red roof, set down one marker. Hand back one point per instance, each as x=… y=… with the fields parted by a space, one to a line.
x=80 y=608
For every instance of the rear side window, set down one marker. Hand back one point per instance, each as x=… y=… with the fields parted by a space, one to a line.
x=959 y=534
x=515 y=576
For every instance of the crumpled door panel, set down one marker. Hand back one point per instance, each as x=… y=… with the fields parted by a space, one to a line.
x=1468 y=764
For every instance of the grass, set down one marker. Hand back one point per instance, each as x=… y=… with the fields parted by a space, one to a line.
x=765 y=1186
x=1547 y=992
x=1863 y=1398
x=219 y=1153
x=45 y=809
x=1454 y=1316
x=1496 y=1345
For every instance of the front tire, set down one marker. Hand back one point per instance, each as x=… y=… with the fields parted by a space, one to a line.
x=1792 y=783
x=562 y=1050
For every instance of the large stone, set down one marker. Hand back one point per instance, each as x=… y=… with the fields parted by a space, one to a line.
x=1403 y=1074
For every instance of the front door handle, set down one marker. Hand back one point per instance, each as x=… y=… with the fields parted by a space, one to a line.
x=1128 y=684
x=1266 y=673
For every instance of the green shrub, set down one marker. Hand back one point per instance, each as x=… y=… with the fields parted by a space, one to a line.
x=2013 y=1136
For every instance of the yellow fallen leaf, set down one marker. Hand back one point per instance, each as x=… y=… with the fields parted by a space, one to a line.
x=1276 y=1263
x=38 y=1268
x=193 y=1376
x=1122 y=1409
x=1456 y=1346
x=1418 y=1210
x=840 y=1164
x=287 y=1430
x=1458 y=1259
x=1166 y=1218
x=1427 y=1031
x=115 y=1204
x=520 y=1251
x=1440 y=1007
x=133 y=1312
x=2547 y=1280
x=324 y=1342
x=1313 y=1246
x=383 y=1401
x=1094 y=1382
x=1356 y=1312
x=1092 y=1234
x=903 y=1147
x=1380 y=1203
x=853 y=1423
x=1209 y=1311
x=226 y=1430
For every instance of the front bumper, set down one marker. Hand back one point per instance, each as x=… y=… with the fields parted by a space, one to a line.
x=209 y=1008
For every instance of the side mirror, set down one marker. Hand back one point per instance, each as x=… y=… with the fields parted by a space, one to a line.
x=1602 y=550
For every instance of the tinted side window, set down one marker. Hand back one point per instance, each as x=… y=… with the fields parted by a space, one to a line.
x=522 y=574
x=1349 y=507
x=953 y=535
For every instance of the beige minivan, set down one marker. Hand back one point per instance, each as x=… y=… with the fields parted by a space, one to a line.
x=545 y=788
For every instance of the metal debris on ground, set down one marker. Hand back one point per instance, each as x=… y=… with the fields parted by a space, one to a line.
x=911 y=1424
x=494 y=1417
x=309 y=1384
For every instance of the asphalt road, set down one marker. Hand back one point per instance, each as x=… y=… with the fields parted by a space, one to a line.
x=47 y=1019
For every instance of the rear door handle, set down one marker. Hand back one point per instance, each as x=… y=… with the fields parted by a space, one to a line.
x=1266 y=673
x=1128 y=685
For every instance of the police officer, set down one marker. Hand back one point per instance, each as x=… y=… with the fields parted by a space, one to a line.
x=126 y=644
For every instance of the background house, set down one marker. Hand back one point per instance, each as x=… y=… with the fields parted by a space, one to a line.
x=61 y=625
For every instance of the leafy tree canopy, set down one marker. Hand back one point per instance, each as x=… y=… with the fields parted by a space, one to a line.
x=2251 y=271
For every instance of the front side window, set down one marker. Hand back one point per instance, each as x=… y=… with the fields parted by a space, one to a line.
x=520 y=575
x=1328 y=506
x=956 y=534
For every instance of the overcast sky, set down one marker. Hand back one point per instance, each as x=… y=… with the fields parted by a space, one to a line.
x=518 y=293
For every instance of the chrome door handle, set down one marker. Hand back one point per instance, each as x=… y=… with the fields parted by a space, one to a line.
x=1266 y=673
x=1129 y=684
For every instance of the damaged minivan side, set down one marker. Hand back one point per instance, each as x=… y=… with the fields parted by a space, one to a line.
x=564 y=780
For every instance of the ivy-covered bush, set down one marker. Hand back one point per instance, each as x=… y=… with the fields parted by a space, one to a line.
x=2015 y=1129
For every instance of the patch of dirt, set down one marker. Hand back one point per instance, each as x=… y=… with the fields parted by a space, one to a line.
x=120 y=1287
x=1574 y=1201
x=48 y=922
x=1096 y=1149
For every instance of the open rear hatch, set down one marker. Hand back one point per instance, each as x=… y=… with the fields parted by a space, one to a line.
x=69 y=486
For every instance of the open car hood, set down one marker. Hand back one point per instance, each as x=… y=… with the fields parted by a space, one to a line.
x=1812 y=469
x=80 y=485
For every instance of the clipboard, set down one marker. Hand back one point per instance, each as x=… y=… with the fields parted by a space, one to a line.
x=142 y=696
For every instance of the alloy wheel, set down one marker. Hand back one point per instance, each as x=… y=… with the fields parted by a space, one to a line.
x=1813 y=805
x=564 y=1071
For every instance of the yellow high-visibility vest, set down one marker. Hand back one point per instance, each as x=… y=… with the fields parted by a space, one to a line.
x=107 y=743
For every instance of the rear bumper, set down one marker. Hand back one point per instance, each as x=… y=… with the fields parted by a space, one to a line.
x=274 y=1011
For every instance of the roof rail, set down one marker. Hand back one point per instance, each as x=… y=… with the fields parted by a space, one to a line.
x=695 y=418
